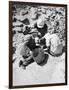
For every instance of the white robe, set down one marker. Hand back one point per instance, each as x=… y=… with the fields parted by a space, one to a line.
x=54 y=42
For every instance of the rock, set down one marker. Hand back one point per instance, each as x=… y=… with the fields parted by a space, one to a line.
x=23 y=12
x=34 y=17
x=26 y=21
x=43 y=11
x=33 y=13
x=18 y=37
x=14 y=19
x=20 y=18
x=17 y=23
x=17 y=29
x=27 y=30
x=14 y=32
x=14 y=49
x=39 y=9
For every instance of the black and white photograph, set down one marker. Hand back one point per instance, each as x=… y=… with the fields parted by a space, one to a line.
x=37 y=44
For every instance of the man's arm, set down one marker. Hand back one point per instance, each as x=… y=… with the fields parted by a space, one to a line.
x=29 y=58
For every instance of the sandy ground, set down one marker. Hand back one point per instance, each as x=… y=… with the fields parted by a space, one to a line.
x=52 y=72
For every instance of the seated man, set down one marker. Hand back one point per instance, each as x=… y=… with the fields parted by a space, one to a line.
x=53 y=42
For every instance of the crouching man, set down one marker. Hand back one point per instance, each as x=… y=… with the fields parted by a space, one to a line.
x=36 y=53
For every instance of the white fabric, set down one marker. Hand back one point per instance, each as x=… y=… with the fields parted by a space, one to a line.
x=52 y=40
x=55 y=42
x=47 y=37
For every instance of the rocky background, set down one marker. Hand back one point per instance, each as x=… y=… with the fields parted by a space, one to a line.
x=24 y=17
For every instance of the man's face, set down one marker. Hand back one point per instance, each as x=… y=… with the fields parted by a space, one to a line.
x=40 y=24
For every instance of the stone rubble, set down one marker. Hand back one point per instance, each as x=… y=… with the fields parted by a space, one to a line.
x=26 y=16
